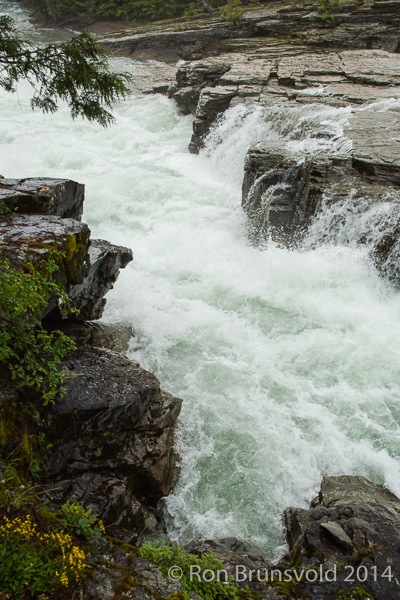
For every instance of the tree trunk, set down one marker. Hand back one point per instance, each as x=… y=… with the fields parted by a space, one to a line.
x=207 y=6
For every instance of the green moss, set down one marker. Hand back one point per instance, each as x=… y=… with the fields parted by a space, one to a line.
x=166 y=557
x=354 y=593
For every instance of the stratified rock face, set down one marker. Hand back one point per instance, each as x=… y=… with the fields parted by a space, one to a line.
x=59 y=197
x=113 y=430
x=87 y=268
x=116 y=430
x=278 y=75
x=352 y=527
x=347 y=26
x=283 y=192
x=33 y=239
x=276 y=188
x=106 y=260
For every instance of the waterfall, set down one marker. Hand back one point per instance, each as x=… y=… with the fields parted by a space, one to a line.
x=287 y=360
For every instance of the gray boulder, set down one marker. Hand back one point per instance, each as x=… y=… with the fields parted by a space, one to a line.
x=352 y=529
x=46 y=196
x=113 y=439
x=106 y=260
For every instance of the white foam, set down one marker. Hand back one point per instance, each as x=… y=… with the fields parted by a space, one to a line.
x=288 y=362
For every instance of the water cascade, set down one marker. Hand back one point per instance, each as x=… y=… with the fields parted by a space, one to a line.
x=287 y=360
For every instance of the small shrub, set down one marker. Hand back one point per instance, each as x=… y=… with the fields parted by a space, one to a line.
x=82 y=522
x=36 y=561
x=28 y=352
x=232 y=13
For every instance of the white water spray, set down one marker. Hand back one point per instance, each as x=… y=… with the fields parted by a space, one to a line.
x=288 y=362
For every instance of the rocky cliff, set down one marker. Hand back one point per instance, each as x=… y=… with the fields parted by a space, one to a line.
x=111 y=433
x=285 y=59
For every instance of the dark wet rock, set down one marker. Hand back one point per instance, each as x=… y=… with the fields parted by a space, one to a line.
x=114 y=438
x=59 y=197
x=106 y=260
x=212 y=102
x=240 y=561
x=230 y=551
x=28 y=240
x=86 y=270
x=353 y=528
x=338 y=534
x=111 y=336
x=281 y=192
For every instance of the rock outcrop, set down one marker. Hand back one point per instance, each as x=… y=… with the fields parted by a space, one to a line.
x=45 y=196
x=115 y=430
x=106 y=260
x=351 y=25
x=43 y=224
x=112 y=431
x=30 y=241
x=350 y=534
x=284 y=188
x=345 y=546
x=119 y=574
x=270 y=76
x=282 y=191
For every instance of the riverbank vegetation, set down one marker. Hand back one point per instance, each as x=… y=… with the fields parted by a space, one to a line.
x=129 y=10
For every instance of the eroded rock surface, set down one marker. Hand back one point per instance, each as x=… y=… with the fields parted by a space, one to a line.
x=351 y=25
x=106 y=260
x=271 y=76
x=114 y=439
x=45 y=196
x=28 y=240
x=352 y=527
x=112 y=432
x=87 y=269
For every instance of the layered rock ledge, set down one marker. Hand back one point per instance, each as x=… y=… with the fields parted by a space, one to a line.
x=286 y=61
x=346 y=546
x=112 y=432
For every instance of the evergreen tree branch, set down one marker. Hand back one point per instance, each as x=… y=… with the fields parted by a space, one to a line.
x=76 y=71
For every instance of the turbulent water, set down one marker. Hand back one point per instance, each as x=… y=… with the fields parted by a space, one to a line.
x=287 y=361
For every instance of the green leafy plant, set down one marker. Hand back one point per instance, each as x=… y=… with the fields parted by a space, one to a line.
x=30 y=354
x=82 y=522
x=167 y=557
x=37 y=561
x=232 y=13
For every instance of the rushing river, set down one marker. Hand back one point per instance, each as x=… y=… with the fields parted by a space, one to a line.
x=288 y=361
